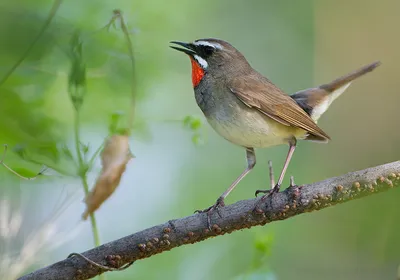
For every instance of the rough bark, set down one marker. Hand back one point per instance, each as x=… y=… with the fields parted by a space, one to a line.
x=174 y=233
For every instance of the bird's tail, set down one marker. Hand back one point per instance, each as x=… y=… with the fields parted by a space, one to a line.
x=315 y=101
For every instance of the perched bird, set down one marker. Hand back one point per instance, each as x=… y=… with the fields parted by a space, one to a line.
x=248 y=110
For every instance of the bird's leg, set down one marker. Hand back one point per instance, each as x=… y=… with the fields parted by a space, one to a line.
x=271 y=179
x=251 y=162
x=292 y=147
x=275 y=189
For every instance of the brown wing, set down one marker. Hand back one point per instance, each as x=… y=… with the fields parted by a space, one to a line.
x=263 y=95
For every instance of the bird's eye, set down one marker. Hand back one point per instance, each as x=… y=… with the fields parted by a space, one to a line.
x=208 y=50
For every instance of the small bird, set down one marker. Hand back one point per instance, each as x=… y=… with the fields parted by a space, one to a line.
x=248 y=110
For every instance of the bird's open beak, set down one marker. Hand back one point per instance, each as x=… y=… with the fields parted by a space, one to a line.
x=188 y=48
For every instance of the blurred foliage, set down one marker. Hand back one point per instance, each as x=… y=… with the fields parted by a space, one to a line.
x=194 y=124
x=77 y=73
x=43 y=118
x=259 y=269
x=297 y=44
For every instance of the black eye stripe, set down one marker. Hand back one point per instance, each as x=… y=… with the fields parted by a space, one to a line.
x=205 y=50
x=208 y=50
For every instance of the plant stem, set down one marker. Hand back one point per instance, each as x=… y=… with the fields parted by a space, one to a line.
x=77 y=144
x=93 y=221
x=82 y=170
x=118 y=15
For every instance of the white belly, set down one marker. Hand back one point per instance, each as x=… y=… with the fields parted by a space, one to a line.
x=249 y=128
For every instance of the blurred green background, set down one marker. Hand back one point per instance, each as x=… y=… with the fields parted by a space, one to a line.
x=297 y=44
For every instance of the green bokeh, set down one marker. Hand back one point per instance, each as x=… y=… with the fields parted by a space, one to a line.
x=357 y=240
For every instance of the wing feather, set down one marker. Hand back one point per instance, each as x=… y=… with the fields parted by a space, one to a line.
x=260 y=93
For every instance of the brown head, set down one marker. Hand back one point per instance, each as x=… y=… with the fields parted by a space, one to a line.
x=213 y=56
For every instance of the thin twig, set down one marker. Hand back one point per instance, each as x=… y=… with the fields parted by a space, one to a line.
x=291 y=181
x=46 y=24
x=82 y=174
x=118 y=16
x=271 y=174
x=44 y=168
x=174 y=233
x=106 y=268
x=82 y=167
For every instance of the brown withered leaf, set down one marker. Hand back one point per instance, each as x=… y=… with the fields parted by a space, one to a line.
x=114 y=158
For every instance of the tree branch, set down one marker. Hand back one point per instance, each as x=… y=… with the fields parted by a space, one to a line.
x=174 y=233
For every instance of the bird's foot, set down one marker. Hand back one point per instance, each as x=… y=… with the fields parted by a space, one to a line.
x=220 y=203
x=292 y=184
x=267 y=193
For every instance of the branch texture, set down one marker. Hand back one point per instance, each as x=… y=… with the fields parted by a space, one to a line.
x=174 y=233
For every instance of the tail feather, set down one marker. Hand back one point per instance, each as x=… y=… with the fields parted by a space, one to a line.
x=342 y=81
x=315 y=101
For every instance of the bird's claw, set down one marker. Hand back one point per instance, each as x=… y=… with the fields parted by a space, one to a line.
x=220 y=203
x=267 y=193
x=261 y=191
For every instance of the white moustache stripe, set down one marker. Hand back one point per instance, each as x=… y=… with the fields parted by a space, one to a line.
x=201 y=61
x=205 y=43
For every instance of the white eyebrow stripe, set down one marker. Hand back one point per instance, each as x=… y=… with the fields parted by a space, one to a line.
x=205 y=43
x=201 y=61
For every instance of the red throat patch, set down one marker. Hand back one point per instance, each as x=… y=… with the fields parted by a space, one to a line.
x=197 y=72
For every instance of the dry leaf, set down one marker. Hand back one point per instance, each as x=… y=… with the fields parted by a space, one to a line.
x=114 y=158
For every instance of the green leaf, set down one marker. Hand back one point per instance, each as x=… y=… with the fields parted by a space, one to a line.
x=49 y=150
x=195 y=124
x=192 y=123
x=84 y=148
x=187 y=121
x=264 y=243
x=67 y=152
x=196 y=139
x=20 y=150
x=114 y=121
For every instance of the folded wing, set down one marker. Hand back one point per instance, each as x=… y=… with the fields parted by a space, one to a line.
x=259 y=93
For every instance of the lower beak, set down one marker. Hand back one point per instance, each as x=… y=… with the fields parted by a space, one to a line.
x=188 y=48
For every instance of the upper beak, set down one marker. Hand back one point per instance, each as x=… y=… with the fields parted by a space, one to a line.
x=188 y=47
